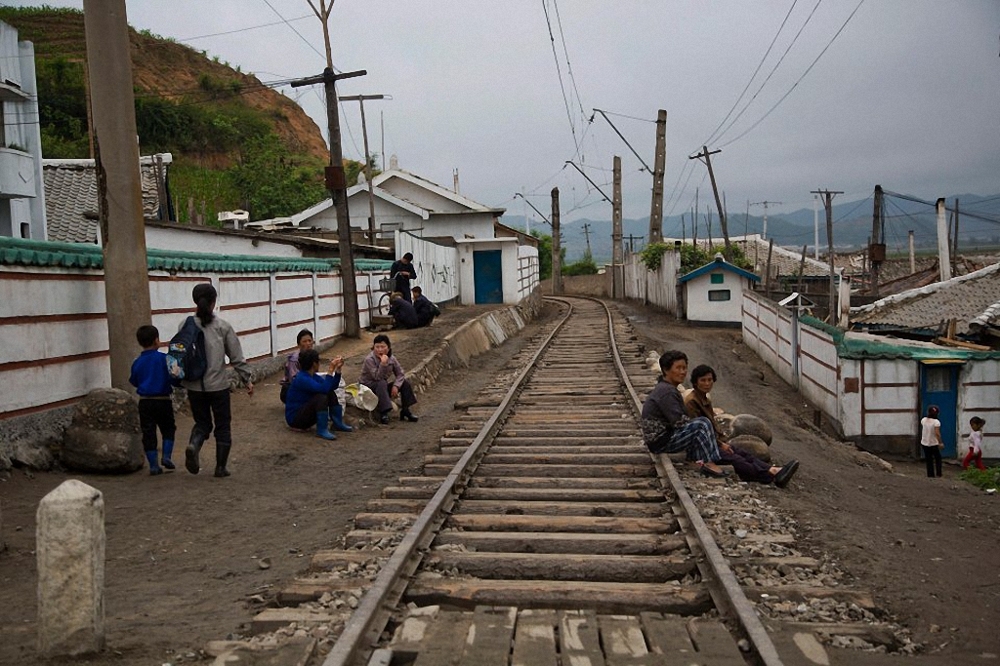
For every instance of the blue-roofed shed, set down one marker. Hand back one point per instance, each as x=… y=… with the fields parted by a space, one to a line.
x=713 y=293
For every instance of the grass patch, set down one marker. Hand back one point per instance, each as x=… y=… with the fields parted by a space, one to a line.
x=982 y=478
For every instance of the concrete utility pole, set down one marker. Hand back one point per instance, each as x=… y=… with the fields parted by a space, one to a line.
x=815 y=226
x=617 y=260
x=765 y=204
x=913 y=257
x=336 y=179
x=659 y=165
x=705 y=154
x=944 y=260
x=557 y=286
x=954 y=248
x=586 y=234
x=828 y=205
x=360 y=99
x=119 y=192
x=876 y=249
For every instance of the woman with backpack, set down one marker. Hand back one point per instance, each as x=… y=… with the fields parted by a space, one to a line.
x=209 y=394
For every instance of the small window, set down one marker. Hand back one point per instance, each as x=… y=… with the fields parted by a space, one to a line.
x=25 y=230
x=718 y=278
x=719 y=294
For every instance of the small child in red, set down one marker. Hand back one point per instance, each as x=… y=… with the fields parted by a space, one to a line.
x=975 y=444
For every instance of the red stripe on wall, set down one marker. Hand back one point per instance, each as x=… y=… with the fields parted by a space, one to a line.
x=51 y=319
x=297 y=299
x=237 y=306
x=303 y=276
x=251 y=331
x=176 y=278
x=17 y=365
x=64 y=277
x=39 y=408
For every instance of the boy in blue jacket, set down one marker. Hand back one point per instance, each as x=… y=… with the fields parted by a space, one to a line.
x=311 y=396
x=152 y=382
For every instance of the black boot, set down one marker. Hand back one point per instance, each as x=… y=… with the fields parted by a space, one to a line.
x=221 y=457
x=407 y=415
x=192 y=451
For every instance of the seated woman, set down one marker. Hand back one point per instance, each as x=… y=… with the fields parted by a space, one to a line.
x=402 y=312
x=666 y=427
x=305 y=341
x=379 y=366
x=311 y=396
x=748 y=467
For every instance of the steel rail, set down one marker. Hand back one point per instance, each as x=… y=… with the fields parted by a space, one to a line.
x=733 y=596
x=367 y=622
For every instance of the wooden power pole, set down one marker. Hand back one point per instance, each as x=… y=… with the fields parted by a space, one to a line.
x=617 y=260
x=116 y=151
x=336 y=179
x=557 y=287
x=705 y=154
x=876 y=250
x=828 y=205
x=659 y=165
x=360 y=99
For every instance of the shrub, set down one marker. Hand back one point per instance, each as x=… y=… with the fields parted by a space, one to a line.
x=982 y=478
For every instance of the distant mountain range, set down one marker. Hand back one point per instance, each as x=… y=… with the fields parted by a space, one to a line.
x=978 y=226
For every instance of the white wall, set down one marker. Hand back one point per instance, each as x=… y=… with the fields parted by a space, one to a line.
x=653 y=287
x=53 y=323
x=436 y=266
x=183 y=239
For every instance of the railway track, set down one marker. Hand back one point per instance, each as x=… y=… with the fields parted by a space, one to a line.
x=543 y=533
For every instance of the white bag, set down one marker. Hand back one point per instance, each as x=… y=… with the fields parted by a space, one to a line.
x=361 y=396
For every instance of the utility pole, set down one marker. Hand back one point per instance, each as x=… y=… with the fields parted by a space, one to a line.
x=116 y=152
x=659 y=165
x=913 y=257
x=360 y=99
x=557 y=287
x=706 y=155
x=765 y=204
x=336 y=180
x=617 y=260
x=586 y=233
x=828 y=205
x=944 y=261
x=954 y=250
x=876 y=250
x=815 y=226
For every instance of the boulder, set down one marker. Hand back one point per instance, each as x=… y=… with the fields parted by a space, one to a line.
x=748 y=424
x=103 y=436
x=752 y=445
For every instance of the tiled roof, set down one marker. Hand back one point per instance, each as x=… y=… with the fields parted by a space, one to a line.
x=784 y=262
x=71 y=199
x=968 y=298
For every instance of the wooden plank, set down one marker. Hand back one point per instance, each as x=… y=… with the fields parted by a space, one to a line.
x=500 y=523
x=374 y=521
x=576 y=483
x=604 y=495
x=549 y=566
x=715 y=644
x=553 y=542
x=400 y=505
x=565 y=508
x=304 y=589
x=580 y=638
x=623 y=641
x=271 y=619
x=668 y=635
x=632 y=457
x=342 y=559
x=490 y=636
x=570 y=471
x=535 y=639
x=444 y=640
x=398 y=492
x=615 y=597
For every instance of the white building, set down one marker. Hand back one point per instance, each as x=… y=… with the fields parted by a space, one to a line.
x=713 y=293
x=22 y=193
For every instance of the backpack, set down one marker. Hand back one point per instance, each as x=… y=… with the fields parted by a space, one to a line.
x=186 y=354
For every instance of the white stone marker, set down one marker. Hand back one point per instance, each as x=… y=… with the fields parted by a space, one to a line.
x=70 y=545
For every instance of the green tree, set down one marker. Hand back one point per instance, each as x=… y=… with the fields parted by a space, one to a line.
x=273 y=183
x=585 y=266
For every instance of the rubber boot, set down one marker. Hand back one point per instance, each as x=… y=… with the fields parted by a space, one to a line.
x=406 y=415
x=192 y=451
x=221 y=458
x=154 y=468
x=322 y=426
x=168 y=451
x=337 y=419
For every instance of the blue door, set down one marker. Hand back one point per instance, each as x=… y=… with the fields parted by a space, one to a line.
x=487 y=268
x=939 y=386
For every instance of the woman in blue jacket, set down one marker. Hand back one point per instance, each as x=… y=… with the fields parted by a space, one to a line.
x=311 y=395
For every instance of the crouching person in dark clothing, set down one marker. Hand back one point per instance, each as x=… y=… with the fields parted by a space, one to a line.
x=311 y=396
x=426 y=310
x=402 y=311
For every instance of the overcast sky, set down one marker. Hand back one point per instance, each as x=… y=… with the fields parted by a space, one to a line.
x=907 y=95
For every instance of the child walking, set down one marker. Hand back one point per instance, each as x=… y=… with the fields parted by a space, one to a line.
x=975 y=444
x=930 y=440
x=152 y=382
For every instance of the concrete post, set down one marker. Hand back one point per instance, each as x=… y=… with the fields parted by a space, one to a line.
x=70 y=545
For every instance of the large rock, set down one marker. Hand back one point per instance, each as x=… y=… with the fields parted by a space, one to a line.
x=104 y=434
x=753 y=445
x=748 y=424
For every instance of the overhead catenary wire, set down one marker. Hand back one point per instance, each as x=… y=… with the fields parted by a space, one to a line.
x=562 y=86
x=286 y=22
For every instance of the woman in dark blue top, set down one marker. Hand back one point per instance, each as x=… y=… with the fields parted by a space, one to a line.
x=311 y=395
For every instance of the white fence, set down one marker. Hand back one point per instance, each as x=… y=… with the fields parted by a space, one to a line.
x=53 y=322
x=527 y=271
x=436 y=265
x=657 y=287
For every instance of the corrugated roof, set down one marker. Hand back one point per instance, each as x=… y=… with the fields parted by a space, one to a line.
x=965 y=298
x=71 y=199
x=17 y=251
